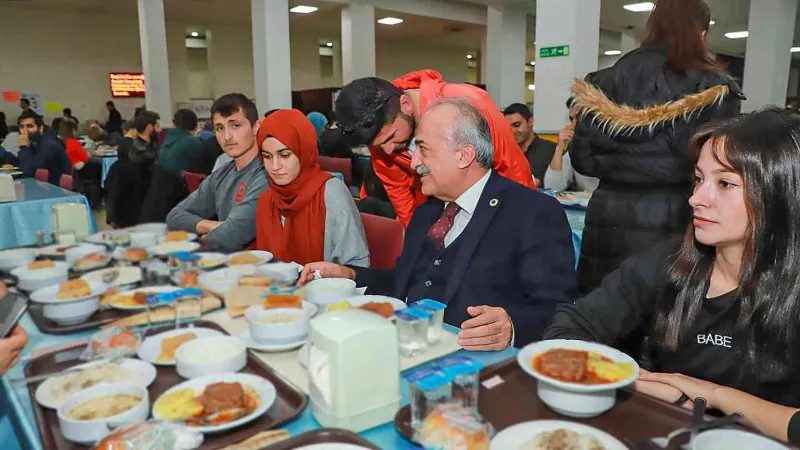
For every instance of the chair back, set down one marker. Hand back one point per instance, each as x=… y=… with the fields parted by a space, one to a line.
x=341 y=165
x=43 y=175
x=193 y=180
x=384 y=240
x=66 y=182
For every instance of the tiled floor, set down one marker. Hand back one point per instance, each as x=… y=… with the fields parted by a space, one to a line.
x=100 y=219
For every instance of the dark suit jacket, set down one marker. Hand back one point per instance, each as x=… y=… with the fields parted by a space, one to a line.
x=516 y=253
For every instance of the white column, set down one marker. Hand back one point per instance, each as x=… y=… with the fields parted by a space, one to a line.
x=358 y=42
x=337 y=62
x=628 y=43
x=153 y=41
x=575 y=23
x=767 y=61
x=272 y=65
x=505 y=54
x=484 y=63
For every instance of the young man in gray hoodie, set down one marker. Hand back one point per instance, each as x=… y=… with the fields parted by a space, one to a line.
x=223 y=208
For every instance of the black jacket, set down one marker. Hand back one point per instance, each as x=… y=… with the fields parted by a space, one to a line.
x=139 y=192
x=634 y=122
x=515 y=253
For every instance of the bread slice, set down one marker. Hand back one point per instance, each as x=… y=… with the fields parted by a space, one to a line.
x=282 y=301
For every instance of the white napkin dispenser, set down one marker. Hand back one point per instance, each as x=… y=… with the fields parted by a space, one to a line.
x=355 y=375
x=7 y=192
x=71 y=216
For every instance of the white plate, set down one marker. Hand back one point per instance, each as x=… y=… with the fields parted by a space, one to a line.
x=332 y=446
x=16 y=257
x=51 y=251
x=567 y=200
x=526 y=354
x=107 y=237
x=265 y=257
x=48 y=294
x=153 y=289
x=221 y=280
x=189 y=237
x=263 y=388
x=359 y=300
x=251 y=344
x=151 y=347
x=144 y=374
x=171 y=247
x=127 y=275
x=220 y=258
x=515 y=436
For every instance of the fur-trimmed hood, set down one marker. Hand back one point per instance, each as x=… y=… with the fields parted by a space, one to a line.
x=615 y=119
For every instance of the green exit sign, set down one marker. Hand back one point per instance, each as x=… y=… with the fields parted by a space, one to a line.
x=553 y=52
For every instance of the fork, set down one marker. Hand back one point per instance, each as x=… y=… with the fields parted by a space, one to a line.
x=110 y=276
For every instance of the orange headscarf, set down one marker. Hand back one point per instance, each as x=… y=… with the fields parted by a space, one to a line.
x=302 y=202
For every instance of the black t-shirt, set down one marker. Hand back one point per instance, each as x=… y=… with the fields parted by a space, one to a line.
x=539 y=155
x=625 y=304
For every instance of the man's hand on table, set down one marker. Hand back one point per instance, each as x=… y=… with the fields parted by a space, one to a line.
x=489 y=329
x=326 y=270
x=205 y=226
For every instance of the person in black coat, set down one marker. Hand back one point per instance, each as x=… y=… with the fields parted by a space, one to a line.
x=497 y=253
x=634 y=122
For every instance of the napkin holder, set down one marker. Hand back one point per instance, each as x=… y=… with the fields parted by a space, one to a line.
x=7 y=192
x=71 y=216
x=355 y=375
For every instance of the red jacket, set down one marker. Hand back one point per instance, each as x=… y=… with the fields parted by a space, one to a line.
x=75 y=152
x=402 y=184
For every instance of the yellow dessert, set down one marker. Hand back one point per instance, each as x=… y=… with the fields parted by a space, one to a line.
x=342 y=305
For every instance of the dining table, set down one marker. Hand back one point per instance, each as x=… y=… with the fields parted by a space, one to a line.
x=21 y=219
x=18 y=428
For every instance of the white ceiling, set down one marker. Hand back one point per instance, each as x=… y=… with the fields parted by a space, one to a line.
x=730 y=15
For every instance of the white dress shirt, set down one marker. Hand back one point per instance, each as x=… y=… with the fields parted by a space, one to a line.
x=467 y=201
x=561 y=180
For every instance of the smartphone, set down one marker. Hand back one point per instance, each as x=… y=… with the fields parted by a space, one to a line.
x=12 y=308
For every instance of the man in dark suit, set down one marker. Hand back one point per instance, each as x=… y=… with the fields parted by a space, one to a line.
x=497 y=253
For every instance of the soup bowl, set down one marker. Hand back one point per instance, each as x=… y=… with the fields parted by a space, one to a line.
x=574 y=399
x=326 y=291
x=92 y=430
x=277 y=326
x=740 y=440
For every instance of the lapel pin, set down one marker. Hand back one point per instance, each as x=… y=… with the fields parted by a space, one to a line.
x=494 y=202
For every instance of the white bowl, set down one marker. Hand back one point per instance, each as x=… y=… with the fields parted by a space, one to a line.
x=76 y=253
x=729 y=439
x=151 y=347
x=31 y=280
x=210 y=356
x=276 y=333
x=16 y=257
x=143 y=373
x=326 y=291
x=159 y=229
x=90 y=431
x=68 y=312
x=144 y=239
x=573 y=399
x=281 y=272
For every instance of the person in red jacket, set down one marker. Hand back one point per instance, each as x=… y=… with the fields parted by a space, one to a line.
x=75 y=151
x=383 y=115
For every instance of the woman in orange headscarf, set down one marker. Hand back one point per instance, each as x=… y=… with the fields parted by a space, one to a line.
x=307 y=214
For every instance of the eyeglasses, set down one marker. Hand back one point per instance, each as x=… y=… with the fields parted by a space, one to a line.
x=351 y=129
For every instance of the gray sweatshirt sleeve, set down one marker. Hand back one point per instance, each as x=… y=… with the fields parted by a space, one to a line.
x=199 y=205
x=239 y=228
x=345 y=239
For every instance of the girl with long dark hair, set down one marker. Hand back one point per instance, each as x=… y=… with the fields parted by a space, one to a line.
x=634 y=121
x=721 y=305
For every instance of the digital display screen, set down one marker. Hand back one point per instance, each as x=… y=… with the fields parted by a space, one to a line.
x=126 y=84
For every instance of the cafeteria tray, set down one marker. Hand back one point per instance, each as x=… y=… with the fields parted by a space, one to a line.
x=290 y=402
x=97 y=320
x=512 y=399
x=322 y=436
